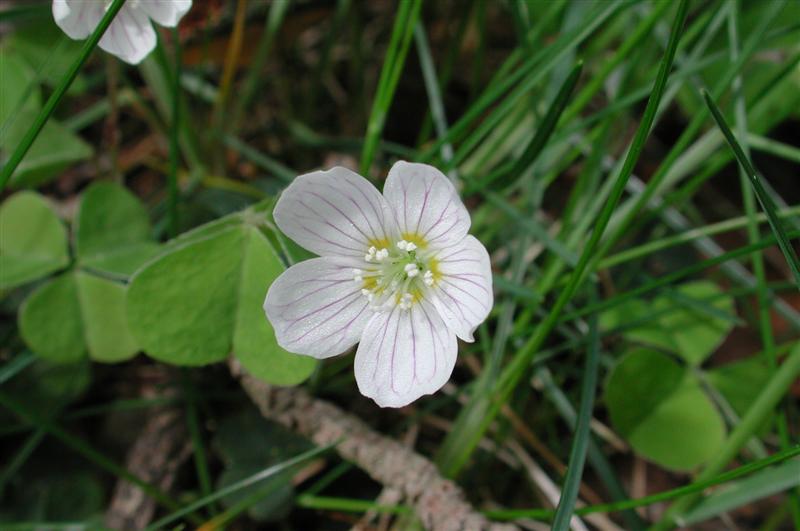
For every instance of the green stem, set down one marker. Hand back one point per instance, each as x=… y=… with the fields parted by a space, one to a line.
x=55 y=98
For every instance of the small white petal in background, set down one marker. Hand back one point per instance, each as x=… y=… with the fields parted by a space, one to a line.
x=398 y=274
x=131 y=35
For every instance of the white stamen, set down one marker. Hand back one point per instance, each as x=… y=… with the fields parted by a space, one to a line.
x=411 y=270
x=381 y=255
x=411 y=246
x=402 y=245
x=427 y=278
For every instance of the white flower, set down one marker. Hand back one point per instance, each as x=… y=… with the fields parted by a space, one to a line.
x=397 y=274
x=130 y=36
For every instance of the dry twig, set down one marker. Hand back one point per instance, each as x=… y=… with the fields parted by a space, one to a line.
x=439 y=503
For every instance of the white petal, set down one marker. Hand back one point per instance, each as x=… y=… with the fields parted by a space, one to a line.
x=316 y=308
x=130 y=36
x=165 y=12
x=77 y=18
x=463 y=292
x=426 y=204
x=404 y=354
x=334 y=213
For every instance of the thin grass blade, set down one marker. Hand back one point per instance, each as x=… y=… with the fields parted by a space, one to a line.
x=763 y=197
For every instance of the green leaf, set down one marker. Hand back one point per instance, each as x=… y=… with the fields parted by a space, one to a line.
x=182 y=306
x=50 y=321
x=692 y=321
x=54 y=149
x=254 y=339
x=197 y=302
x=105 y=325
x=740 y=382
x=659 y=407
x=74 y=314
x=33 y=241
x=696 y=319
x=17 y=89
x=112 y=232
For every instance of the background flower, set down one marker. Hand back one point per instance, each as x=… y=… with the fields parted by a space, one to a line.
x=130 y=36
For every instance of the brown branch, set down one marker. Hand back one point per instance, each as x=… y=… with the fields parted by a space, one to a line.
x=155 y=457
x=439 y=503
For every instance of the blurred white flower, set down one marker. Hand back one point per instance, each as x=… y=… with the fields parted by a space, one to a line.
x=397 y=272
x=130 y=36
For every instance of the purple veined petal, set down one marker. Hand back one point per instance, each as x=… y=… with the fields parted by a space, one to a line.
x=334 y=213
x=462 y=293
x=426 y=205
x=404 y=354
x=167 y=13
x=77 y=18
x=316 y=308
x=130 y=36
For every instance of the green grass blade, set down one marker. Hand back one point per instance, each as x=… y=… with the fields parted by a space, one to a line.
x=758 y=486
x=275 y=16
x=15 y=366
x=239 y=485
x=666 y=280
x=434 y=96
x=692 y=489
x=580 y=442
x=55 y=98
x=348 y=505
x=542 y=136
x=406 y=20
x=755 y=180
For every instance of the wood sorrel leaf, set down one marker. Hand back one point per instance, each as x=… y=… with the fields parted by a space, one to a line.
x=74 y=314
x=112 y=231
x=660 y=408
x=203 y=299
x=33 y=241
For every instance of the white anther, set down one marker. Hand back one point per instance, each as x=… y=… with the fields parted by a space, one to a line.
x=411 y=246
x=406 y=301
x=402 y=245
x=381 y=255
x=411 y=270
x=427 y=278
x=370 y=254
x=366 y=292
x=358 y=275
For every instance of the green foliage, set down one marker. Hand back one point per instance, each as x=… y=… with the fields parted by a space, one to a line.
x=33 y=241
x=690 y=321
x=112 y=231
x=202 y=299
x=655 y=401
x=660 y=408
x=80 y=312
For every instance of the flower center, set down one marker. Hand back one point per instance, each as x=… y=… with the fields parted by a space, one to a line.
x=397 y=275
